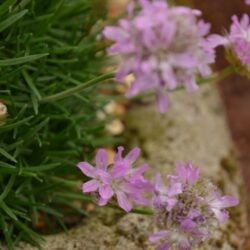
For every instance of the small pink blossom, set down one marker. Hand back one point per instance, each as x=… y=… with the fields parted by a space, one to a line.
x=187 y=209
x=121 y=180
x=164 y=47
x=236 y=41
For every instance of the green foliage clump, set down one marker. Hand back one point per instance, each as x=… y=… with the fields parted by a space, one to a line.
x=50 y=61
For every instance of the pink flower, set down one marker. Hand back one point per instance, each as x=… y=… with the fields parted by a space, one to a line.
x=164 y=47
x=218 y=204
x=123 y=181
x=186 y=174
x=188 y=209
x=237 y=41
x=247 y=1
x=166 y=196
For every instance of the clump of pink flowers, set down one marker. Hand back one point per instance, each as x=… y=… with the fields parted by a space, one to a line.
x=121 y=181
x=237 y=43
x=187 y=209
x=164 y=47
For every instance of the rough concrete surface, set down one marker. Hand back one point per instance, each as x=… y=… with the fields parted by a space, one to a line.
x=194 y=129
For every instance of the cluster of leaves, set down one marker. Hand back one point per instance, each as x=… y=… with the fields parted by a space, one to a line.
x=46 y=47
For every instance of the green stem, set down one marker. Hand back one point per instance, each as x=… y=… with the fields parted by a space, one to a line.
x=135 y=210
x=217 y=76
x=78 y=88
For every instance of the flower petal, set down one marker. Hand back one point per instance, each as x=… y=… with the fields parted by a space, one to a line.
x=225 y=201
x=118 y=156
x=188 y=225
x=132 y=155
x=124 y=202
x=159 y=185
x=106 y=192
x=102 y=202
x=158 y=236
x=162 y=101
x=101 y=159
x=90 y=186
x=120 y=169
x=87 y=169
x=164 y=246
x=175 y=189
x=170 y=203
x=104 y=176
x=139 y=171
x=221 y=215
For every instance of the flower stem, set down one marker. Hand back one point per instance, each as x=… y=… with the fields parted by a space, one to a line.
x=142 y=211
x=217 y=76
x=135 y=210
x=78 y=88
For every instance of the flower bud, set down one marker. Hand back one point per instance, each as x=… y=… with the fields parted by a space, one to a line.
x=3 y=112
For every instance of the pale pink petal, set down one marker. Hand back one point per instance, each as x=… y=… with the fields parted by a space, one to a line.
x=188 y=225
x=87 y=169
x=102 y=202
x=225 y=201
x=216 y=40
x=162 y=102
x=118 y=156
x=101 y=159
x=124 y=202
x=171 y=202
x=106 y=192
x=221 y=215
x=132 y=155
x=165 y=246
x=139 y=171
x=90 y=186
x=191 y=84
x=175 y=189
x=104 y=176
x=159 y=185
x=120 y=169
x=158 y=236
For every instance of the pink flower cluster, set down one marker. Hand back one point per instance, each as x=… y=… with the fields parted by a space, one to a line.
x=247 y=1
x=122 y=181
x=186 y=210
x=164 y=47
x=237 y=41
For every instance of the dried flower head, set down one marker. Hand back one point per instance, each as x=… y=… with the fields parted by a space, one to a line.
x=188 y=209
x=164 y=47
x=237 y=44
x=121 y=180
